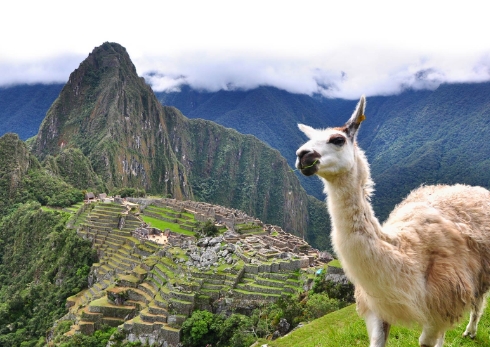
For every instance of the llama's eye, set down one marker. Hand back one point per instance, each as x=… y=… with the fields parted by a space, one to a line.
x=337 y=140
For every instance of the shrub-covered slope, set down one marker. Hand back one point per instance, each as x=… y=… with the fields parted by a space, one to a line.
x=41 y=264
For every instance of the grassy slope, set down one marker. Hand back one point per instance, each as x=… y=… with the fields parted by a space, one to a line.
x=344 y=328
x=162 y=225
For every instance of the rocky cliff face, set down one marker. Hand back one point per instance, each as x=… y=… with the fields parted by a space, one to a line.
x=109 y=112
x=15 y=161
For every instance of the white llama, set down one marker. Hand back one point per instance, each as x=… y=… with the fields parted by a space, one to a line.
x=429 y=262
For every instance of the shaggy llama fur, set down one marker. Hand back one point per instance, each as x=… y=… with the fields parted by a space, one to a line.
x=430 y=261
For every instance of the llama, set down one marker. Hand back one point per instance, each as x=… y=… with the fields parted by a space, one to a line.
x=427 y=264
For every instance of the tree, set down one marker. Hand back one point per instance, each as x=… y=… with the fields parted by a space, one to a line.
x=201 y=328
x=208 y=228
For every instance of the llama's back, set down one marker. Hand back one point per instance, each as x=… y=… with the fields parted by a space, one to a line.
x=466 y=206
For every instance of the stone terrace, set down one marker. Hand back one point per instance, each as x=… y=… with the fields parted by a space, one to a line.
x=149 y=289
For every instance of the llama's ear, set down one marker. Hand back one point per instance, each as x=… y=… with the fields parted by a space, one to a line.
x=356 y=119
x=307 y=130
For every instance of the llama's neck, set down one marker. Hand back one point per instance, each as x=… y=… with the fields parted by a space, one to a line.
x=357 y=236
x=348 y=201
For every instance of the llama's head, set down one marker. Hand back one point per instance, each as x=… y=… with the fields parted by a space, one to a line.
x=330 y=152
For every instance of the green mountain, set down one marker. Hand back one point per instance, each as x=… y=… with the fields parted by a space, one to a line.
x=268 y=113
x=400 y=136
x=426 y=138
x=410 y=139
x=23 y=179
x=41 y=262
x=113 y=117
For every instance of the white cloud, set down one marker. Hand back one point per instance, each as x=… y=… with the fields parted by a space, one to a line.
x=46 y=70
x=345 y=74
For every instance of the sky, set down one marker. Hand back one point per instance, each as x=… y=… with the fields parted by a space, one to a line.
x=335 y=48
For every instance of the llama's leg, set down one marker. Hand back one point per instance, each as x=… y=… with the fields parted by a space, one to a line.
x=431 y=337
x=440 y=342
x=378 y=330
x=476 y=312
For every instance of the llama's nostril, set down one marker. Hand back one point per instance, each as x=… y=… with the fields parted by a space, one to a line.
x=302 y=154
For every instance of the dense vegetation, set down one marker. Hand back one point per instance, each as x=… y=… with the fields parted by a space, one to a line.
x=41 y=264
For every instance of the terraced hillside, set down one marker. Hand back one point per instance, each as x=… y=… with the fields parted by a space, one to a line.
x=149 y=289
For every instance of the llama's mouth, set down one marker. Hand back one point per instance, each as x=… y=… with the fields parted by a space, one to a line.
x=308 y=163
x=310 y=170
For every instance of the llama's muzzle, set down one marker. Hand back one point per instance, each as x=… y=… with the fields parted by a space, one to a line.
x=307 y=162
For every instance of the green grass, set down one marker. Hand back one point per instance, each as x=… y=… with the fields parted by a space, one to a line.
x=163 y=269
x=49 y=208
x=345 y=328
x=335 y=263
x=162 y=225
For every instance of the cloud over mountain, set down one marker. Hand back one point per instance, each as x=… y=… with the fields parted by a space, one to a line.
x=343 y=74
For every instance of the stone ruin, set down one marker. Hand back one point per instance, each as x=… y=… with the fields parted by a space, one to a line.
x=272 y=243
x=275 y=243
x=204 y=211
x=147 y=233
x=208 y=252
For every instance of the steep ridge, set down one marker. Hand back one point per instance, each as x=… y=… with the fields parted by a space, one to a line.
x=268 y=113
x=109 y=112
x=22 y=178
x=15 y=161
x=75 y=169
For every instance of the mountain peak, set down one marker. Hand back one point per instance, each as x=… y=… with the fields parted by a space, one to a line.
x=107 y=111
x=107 y=57
x=92 y=103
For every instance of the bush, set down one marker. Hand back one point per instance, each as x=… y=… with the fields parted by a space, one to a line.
x=208 y=228
x=319 y=305
x=341 y=290
x=204 y=328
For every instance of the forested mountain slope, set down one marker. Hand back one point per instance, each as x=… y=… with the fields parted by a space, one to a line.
x=410 y=139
